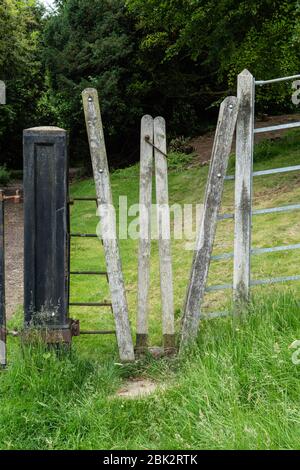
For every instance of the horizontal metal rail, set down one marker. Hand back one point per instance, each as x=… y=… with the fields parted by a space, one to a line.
x=90 y=304
x=257 y=251
x=97 y=332
x=279 y=127
x=275 y=280
x=225 y=216
x=269 y=172
x=84 y=199
x=257 y=282
x=276 y=80
x=287 y=208
x=218 y=287
x=84 y=235
x=212 y=315
x=91 y=273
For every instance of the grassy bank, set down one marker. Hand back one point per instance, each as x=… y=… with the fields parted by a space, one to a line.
x=238 y=388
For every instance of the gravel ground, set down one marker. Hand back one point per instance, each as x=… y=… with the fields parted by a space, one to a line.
x=13 y=256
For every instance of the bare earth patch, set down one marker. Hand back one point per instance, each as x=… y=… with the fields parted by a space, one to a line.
x=137 y=388
x=202 y=145
x=13 y=254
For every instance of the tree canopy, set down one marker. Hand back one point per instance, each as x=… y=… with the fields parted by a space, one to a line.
x=176 y=58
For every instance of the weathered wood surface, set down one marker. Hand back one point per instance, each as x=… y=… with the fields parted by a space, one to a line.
x=2 y=288
x=146 y=168
x=2 y=265
x=2 y=93
x=108 y=222
x=206 y=234
x=46 y=240
x=164 y=236
x=243 y=189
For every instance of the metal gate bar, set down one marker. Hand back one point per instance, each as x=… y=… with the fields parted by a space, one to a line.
x=90 y=273
x=243 y=199
x=258 y=282
x=271 y=210
x=269 y=172
x=276 y=80
x=258 y=251
x=280 y=127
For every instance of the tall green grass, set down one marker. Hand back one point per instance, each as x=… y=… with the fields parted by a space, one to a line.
x=236 y=389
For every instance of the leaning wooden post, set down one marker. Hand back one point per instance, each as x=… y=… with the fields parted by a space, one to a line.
x=3 y=333
x=146 y=165
x=108 y=222
x=243 y=190
x=164 y=236
x=214 y=189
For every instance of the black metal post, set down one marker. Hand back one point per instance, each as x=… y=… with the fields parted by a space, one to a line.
x=2 y=287
x=46 y=238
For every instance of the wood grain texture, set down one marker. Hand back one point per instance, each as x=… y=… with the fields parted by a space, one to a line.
x=2 y=288
x=164 y=235
x=46 y=237
x=2 y=93
x=243 y=190
x=146 y=169
x=206 y=234
x=108 y=223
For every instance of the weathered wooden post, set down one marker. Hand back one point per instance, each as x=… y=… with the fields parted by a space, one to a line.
x=2 y=93
x=164 y=235
x=46 y=239
x=243 y=189
x=146 y=166
x=2 y=287
x=108 y=222
x=206 y=235
x=154 y=148
x=2 y=267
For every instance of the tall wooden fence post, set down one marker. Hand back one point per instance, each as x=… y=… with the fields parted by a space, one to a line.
x=2 y=267
x=214 y=189
x=146 y=166
x=164 y=235
x=2 y=93
x=2 y=287
x=243 y=189
x=108 y=222
x=46 y=238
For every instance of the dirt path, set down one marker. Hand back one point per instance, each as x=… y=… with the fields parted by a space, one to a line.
x=13 y=256
x=203 y=144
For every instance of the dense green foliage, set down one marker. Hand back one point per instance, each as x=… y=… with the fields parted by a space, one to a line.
x=177 y=58
x=20 y=65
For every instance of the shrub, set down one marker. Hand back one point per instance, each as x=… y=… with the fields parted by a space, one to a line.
x=4 y=175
